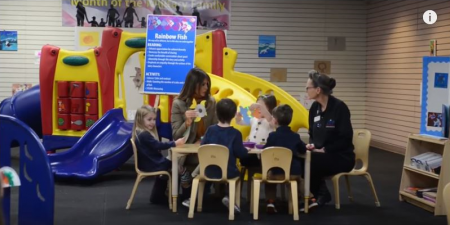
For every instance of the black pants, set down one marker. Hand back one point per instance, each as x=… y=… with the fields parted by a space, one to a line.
x=157 y=195
x=324 y=165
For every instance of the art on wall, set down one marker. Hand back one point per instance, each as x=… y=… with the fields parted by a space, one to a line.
x=211 y=14
x=267 y=46
x=323 y=67
x=433 y=47
x=20 y=87
x=337 y=43
x=37 y=57
x=8 y=40
x=278 y=74
x=435 y=95
x=89 y=38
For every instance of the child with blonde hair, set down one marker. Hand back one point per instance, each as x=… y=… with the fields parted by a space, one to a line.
x=149 y=150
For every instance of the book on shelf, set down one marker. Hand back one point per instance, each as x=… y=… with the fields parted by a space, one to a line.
x=429 y=194
x=411 y=190
x=429 y=199
x=434 y=165
x=419 y=192
x=428 y=161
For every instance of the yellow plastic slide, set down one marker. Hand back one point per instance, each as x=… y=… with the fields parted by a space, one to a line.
x=222 y=88
x=256 y=85
x=251 y=84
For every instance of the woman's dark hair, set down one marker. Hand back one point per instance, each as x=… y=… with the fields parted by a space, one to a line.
x=324 y=82
x=193 y=82
x=269 y=100
x=226 y=110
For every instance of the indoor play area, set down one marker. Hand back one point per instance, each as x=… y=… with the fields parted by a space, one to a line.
x=67 y=151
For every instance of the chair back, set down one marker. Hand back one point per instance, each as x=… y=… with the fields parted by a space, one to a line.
x=274 y=157
x=135 y=156
x=361 y=141
x=213 y=154
x=447 y=201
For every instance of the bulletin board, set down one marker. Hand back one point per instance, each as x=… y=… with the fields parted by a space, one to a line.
x=435 y=95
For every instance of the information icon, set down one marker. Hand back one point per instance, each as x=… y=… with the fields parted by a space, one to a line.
x=430 y=17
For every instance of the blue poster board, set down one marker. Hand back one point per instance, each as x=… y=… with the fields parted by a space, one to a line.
x=435 y=94
x=169 y=53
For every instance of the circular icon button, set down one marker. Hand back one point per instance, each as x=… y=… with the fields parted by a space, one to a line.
x=430 y=17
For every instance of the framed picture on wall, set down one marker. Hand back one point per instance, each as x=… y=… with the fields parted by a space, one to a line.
x=267 y=46
x=8 y=40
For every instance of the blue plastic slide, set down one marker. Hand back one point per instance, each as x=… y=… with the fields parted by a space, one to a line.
x=37 y=190
x=25 y=106
x=104 y=147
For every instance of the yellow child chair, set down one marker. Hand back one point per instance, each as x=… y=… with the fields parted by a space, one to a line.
x=361 y=141
x=275 y=157
x=209 y=155
x=142 y=175
x=447 y=201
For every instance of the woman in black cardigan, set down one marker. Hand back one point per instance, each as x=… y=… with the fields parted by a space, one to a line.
x=331 y=135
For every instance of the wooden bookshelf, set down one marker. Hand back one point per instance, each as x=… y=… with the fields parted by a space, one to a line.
x=413 y=177
x=423 y=172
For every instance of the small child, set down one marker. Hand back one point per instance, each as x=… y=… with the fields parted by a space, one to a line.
x=284 y=137
x=260 y=128
x=224 y=134
x=143 y=22
x=149 y=150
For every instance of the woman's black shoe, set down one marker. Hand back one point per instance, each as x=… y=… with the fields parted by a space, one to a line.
x=324 y=199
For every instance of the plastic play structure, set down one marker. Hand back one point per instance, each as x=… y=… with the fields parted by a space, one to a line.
x=81 y=105
x=37 y=191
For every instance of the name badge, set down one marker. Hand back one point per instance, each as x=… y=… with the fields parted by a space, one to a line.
x=317 y=119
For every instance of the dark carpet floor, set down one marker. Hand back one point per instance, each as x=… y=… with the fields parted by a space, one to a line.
x=104 y=201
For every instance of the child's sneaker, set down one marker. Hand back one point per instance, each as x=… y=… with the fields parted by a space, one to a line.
x=187 y=202
x=311 y=205
x=270 y=208
x=226 y=202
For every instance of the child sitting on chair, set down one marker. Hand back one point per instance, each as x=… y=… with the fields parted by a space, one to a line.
x=224 y=134
x=260 y=128
x=283 y=137
x=149 y=150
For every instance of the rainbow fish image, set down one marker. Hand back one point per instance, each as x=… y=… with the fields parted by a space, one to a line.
x=155 y=22
x=185 y=26
x=9 y=177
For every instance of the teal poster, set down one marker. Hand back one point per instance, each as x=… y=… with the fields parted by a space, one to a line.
x=267 y=46
x=8 y=40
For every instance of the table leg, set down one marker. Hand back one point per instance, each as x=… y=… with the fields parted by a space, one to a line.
x=174 y=181
x=307 y=177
